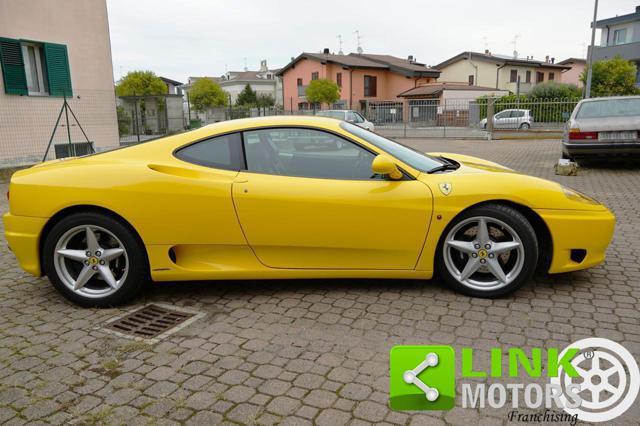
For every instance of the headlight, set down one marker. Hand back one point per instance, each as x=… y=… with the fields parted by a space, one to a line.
x=574 y=195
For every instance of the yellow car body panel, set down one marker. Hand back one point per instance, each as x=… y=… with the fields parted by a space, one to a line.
x=198 y=222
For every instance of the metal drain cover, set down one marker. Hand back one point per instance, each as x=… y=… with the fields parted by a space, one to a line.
x=152 y=322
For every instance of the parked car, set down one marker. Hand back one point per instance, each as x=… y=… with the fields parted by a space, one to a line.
x=292 y=197
x=510 y=119
x=603 y=127
x=349 y=116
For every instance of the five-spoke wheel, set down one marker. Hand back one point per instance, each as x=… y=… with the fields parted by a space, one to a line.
x=94 y=259
x=488 y=251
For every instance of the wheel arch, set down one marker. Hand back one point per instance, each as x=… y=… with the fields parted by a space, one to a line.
x=84 y=208
x=545 y=241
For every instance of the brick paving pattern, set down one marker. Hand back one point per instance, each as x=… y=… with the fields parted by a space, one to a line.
x=303 y=352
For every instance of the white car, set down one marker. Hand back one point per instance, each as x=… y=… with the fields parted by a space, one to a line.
x=603 y=127
x=348 y=115
x=510 y=119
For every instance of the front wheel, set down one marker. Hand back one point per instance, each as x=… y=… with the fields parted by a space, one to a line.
x=488 y=251
x=95 y=260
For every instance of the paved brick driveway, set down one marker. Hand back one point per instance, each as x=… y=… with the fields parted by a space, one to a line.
x=306 y=351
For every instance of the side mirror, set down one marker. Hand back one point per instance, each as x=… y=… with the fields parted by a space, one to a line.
x=383 y=165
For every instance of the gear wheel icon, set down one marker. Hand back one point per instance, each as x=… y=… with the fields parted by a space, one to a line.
x=411 y=376
x=610 y=379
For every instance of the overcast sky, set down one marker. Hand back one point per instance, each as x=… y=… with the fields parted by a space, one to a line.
x=177 y=39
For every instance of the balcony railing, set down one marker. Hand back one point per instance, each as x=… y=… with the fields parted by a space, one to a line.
x=627 y=51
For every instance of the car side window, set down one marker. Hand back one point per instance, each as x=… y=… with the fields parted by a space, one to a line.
x=221 y=152
x=504 y=114
x=359 y=118
x=351 y=117
x=305 y=152
x=517 y=114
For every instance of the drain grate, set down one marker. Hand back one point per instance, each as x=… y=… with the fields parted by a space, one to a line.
x=150 y=321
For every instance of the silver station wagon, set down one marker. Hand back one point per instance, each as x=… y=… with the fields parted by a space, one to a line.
x=603 y=127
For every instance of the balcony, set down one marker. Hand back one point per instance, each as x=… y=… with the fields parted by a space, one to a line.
x=629 y=51
x=524 y=87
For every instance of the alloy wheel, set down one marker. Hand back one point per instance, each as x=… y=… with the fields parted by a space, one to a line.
x=483 y=253
x=91 y=261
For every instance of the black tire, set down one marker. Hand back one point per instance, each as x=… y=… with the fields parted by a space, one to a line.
x=519 y=224
x=525 y=126
x=138 y=269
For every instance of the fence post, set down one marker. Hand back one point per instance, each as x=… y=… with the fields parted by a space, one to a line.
x=188 y=110
x=490 y=111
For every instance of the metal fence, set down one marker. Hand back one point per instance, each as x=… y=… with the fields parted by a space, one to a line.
x=98 y=120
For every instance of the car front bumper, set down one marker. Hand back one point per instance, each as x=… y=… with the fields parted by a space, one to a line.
x=23 y=236
x=609 y=148
x=575 y=230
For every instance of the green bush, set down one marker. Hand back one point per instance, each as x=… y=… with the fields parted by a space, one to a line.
x=553 y=90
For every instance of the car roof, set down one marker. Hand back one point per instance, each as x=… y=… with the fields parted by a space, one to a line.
x=609 y=98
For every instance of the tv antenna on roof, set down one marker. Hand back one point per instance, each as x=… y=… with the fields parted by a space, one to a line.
x=515 y=43
x=340 y=52
x=357 y=33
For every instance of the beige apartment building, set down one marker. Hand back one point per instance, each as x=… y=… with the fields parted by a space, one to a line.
x=500 y=72
x=50 y=49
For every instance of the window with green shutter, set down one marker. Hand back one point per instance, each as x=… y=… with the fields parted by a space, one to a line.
x=58 y=73
x=13 y=76
x=35 y=68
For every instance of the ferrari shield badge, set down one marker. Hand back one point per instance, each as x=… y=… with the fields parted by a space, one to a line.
x=445 y=188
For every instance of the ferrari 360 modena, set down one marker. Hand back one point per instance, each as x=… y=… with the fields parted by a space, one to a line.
x=293 y=197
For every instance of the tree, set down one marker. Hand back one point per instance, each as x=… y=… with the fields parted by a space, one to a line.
x=140 y=83
x=322 y=91
x=247 y=97
x=554 y=90
x=265 y=100
x=206 y=94
x=612 y=77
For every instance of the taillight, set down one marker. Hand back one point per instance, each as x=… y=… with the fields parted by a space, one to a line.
x=583 y=135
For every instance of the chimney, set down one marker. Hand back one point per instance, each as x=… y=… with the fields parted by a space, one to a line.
x=486 y=52
x=637 y=9
x=546 y=59
x=410 y=58
x=263 y=65
x=326 y=51
x=553 y=60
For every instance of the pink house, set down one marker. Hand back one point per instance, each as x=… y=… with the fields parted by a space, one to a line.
x=361 y=77
x=572 y=75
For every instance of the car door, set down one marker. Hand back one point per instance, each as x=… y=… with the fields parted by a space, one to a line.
x=501 y=119
x=309 y=199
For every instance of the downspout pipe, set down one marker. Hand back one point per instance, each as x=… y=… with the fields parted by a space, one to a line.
x=475 y=78
x=498 y=74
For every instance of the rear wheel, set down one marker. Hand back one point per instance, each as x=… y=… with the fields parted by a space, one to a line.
x=94 y=260
x=525 y=126
x=488 y=251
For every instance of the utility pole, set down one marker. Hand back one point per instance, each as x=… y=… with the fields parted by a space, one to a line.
x=587 y=89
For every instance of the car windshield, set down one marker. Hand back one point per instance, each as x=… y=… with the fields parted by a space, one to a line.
x=332 y=114
x=410 y=156
x=610 y=108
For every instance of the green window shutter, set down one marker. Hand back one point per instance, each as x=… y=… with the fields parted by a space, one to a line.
x=15 y=80
x=58 y=74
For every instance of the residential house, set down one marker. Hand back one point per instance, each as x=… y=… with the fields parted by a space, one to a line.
x=620 y=36
x=173 y=87
x=364 y=79
x=446 y=103
x=501 y=72
x=265 y=81
x=572 y=75
x=49 y=50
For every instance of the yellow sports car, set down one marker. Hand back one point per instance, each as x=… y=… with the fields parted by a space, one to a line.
x=292 y=197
